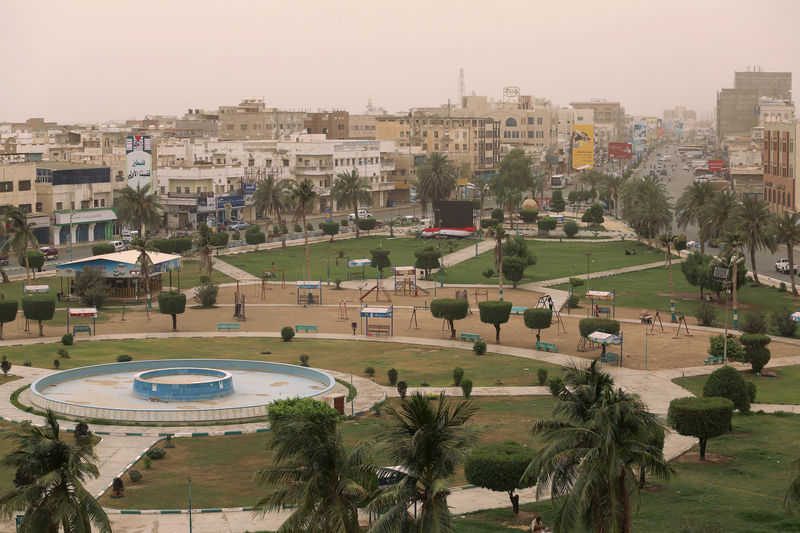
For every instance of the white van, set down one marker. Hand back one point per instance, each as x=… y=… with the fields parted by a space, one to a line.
x=362 y=213
x=119 y=246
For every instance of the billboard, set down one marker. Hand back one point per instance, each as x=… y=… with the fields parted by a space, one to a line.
x=639 y=136
x=660 y=128
x=678 y=128
x=582 y=146
x=716 y=165
x=453 y=213
x=652 y=129
x=620 y=150
x=139 y=159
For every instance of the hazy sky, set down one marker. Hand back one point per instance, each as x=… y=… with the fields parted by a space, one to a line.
x=99 y=60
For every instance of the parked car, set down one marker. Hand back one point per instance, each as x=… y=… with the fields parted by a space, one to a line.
x=119 y=246
x=782 y=266
x=50 y=252
x=362 y=213
x=238 y=225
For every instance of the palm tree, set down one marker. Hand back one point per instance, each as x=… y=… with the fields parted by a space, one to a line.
x=271 y=197
x=719 y=216
x=351 y=190
x=646 y=207
x=202 y=242
x=139 y=208
x=437 y=178
x=692 y=204
x=787 y=229
x=669 y=242
x=144 y=264
x=614 y=185
x=429 y=439
x=592 y=179
x=303 y=196
x=755 y=221
x=317 y=475
x=3 y=234
x=499 y=235
x=732 y=243
x=21 y=237
x=50 y=475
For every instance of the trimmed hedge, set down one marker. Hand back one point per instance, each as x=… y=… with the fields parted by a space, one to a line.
x=39 y=307
x=703 y=418
x=499 y=467
x=172 y=303
x=529 y=215
x=450 y=309
x=104 y=248
x=495 y=313
x=590 y=325
x=727 y=382
x=538 y=318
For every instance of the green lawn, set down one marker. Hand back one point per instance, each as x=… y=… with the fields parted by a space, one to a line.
x=190 y=275
x=414 y=363
x=322 y=253
x=558 y=260
x=230 y=461
x=785 y=389
x=743 y=495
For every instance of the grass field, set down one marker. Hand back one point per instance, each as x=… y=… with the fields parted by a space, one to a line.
x=230 y=461
x=414 y=363
x=558 y=260
x=785 y=389
x=323 y=253
x=190 y=275
x=743 y=495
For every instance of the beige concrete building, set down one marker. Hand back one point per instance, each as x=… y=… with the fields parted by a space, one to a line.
x=609 y=120
x=781 y=161
x=363 y=126
x=252 y=120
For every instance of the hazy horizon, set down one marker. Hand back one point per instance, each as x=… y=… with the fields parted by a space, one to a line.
x=95 y=61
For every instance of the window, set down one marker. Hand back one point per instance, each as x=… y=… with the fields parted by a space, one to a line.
x=24 y=185
x=102 y=202
x=436 y=134
x=530 y=134
x=243 y=126
x=6 y=186
x=229 y=127
x=25 y=208
x=59 y=206
x=530 y=120
x=511 y=123
x=86 y=204
x=39 y=207
x=539 y=121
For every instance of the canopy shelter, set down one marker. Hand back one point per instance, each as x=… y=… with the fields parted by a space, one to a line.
x=405 y=280
x=368 y=312
x=604 y=340
x=309 y=292
x=795 y=316
x=27 y=290
x=82 y=312
x=601 y=297
x=358 y=263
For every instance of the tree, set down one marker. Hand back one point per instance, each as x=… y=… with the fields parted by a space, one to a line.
x=703 y=418
x=450 y=309
x=145 y=265
x=51 y=473
x=39 y=307
x=515 y=172
x=172 y=303
x=380 y=260
x=787 y=229
x=756 y=352
x=538 y=318
x=329 y=228
x=557 y=202
x=437 y=179
x=645 y=207
x=546 y=224
x=35 y=260
x=692 y=204
x=5 y=365
x=529 y=216
x=21 y=236
x=728 y=382
x=429 y=438
x=514 y=269
x=8 y=313
x=352 y=191
x=139 y=208
x=427 y=259
x=90 y=286
x=592 y=179
x=205 y=249
x=303 y=197
x=755 y=223
x=593 y=215
x=571 y=228
x=719 y=217
x=517 y=246
x=272 y=198
x=499 y=235
x=696 y=269
x=367 y=224
x=495 y=313
x=614 y=185
x=499 y=467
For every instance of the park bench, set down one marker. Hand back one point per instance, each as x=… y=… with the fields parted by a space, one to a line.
x=470 y=337
x=713 y=360
x=547 y=347
x=308 y=329
x=604 y=311
x=518 y=310
x=227 y=326
x=609 y=357
x=378 y=330
x=85 y=329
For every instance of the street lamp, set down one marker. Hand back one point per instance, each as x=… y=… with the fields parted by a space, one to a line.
x=732 y=263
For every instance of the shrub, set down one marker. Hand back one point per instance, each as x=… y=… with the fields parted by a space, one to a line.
x=727 y=382
x=91 y=287
x=488 y=273
x=27 y=362
x=8 y=313
x=102 y=249
x=156 y=453
x=297 y=228
x=380 y=259
x=5 y=365
x=590 y=325
x=466 y=387
x=172 y=303
x=489 y=223
x=574 y=301
x=479 y=347
x=366 y=224
x=219 y=240
x=500 y=467
x=62 y=353
x=571 y=228
x=782 y=286
x=495 y=313
x=528 y=215
x=538 y=318
x=541 y=376
x=735 y=351
x=706 y=314
x=288 y=409
x=557 y=202
x=124 y=358
x=427 y=259
x=546 y=224
x=329 y=228
x=182 y=244
x=206 y=294
x=343 y=223
x=755 y=350
x=556 y=385
x=497 y=214
x=67 y=339
x=56 y=364
x=392 y=375
x=236 y=236
x=304 y=358
x=782 y=323
x=147 y=462
x=753 y=322
x=751 y=391
x=402 y=389
x=703 y=418
x=458 y=375
x=513 y=269
x=35 y=260
x=254 y=236
x=369 y=371
x=134 y=475
x=287 y=333
x=450 y=309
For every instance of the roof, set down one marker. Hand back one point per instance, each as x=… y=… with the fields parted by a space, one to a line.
x=129 y=256
x=121 y=264
x=66 y=165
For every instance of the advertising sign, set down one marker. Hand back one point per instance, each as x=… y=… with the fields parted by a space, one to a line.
x=248 y=187
x=716 y=165
x=678 y=128
x=639 y=136
x=582 y=146
x=659 y=128
x=139 y=155
x=652 y=128
x=226 y=202
x=620 y=150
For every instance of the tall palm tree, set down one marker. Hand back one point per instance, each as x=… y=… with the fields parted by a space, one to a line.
x=720 y=215
x=351 y=190
x=692 y=204
x=21 y=236
x=314 y=473
x=429 y=439
x=614 y=186
x=646 y=207
x=787 y=229
x=145 y=265
x=437 y=178
x=732 y=243
x=669 y=242
x=50 y=476
x=3 y=235
x=139 y=208
x=272 y=197
x=755 y=222
x=592 y=179
x=498 y=233
x=303 y=196
x=202 y=242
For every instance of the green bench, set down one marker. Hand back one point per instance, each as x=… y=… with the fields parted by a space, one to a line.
x=470 y=337
x=227 y=327
x=547 y=347
x=518 y=310
x=84 y=329
x=604 y=311
x=303 y=327
x=713 y=360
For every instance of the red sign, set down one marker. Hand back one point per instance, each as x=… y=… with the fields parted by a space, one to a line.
x=620 y=150
x=716 y=165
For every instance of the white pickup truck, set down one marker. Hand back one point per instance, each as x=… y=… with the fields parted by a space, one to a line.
x=782 y=266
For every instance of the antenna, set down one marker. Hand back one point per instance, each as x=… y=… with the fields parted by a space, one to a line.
x=461 y=87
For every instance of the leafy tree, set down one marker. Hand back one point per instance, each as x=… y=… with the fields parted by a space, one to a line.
x=546 y=224
x=538 y=318
x=691 y=205
x=557 y=202
x=392 y=375
x=782 y=323
x=437 y=179
x=39 y=307
x=8 y=313
x=787 y=230
x=697 y=270
x=706 y=314
x=574 y=196
x=21 y=236
x=402 y=389
x=529 y=215
x=571 y=228
x=35 y=260
x=172 y=303
x=458 y=375
x=5 y=365
x=495 y=313
x=703 y=418
x=755 y=350
x=499 y=467
x=329 y=228
x=91 y=287
x=272 y=198
x=728 y=382
x=380 y=259
x=367 y=224
x=219 y=239
x=450 y=309
x=515 y=171
x=755 y=222
x=103 y=248
x=466 y=385
x=352 y=191
x=303 y=197
x=593 y=215
x=427 y=259
x=139 y=208
x=498 y=215
x=589 y=325
x=430 y=439
x=753 y=322
x=513 y=269
x=516 y=246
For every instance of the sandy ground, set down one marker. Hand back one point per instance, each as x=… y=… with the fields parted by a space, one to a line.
x=278 y=308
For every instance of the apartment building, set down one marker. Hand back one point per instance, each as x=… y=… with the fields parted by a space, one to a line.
x=363 y=126
x=200 y=193
x=780 y=158
x=609 y=120
x=738 y=108
x=252 y=120
x=333 y=124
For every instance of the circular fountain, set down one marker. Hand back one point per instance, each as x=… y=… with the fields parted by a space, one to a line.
x=182 y=384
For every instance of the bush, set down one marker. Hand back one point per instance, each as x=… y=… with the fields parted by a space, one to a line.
x=5 y=365
x=703 y=418
x=297 y=228
x=366 y=224
x=287 y=333
x=782 y=323
x=528 y=215
x=735 y=351
x=304 y=358
x=62 y=353
x=466 y=387
x=156 y=453
x=134 y=475
x=219 y=240
x=753 y=322
x=574 y=301
x=489 y=222
x=67 y=339
x=402 y=389
x=56 y=364
x=557 y=202
x=91 y=287
x=497 y=214
x=427 y=259
x=751 y=391
x=590 y=325
x=343 y=223
x=166 y=246
x=500 y=467
x=124 y=358
x=8 y=313
x=538 y=318
x=102 y=249
x=727 y=382
x=206 y=294
x=541 y=376
x=288 y=409
x=571 y=228
x=329 y=228
x=182 y=244
x=546 y=224
x=147 y=462
x=458 y=375
x=392 y=375
x=254 y=236
x=755 y=350
x=556 y=385
x=236 y=236
x=369 y=371
x=495 y=313
x=479 y=347
x=450 y=309
x=706 y=314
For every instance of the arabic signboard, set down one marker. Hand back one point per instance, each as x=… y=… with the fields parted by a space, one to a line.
x=139 y=154
x=716 y=165
x=248 y=187
x=583 y=146
x=620 y=150
x=225 y=202
x=652 y=128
